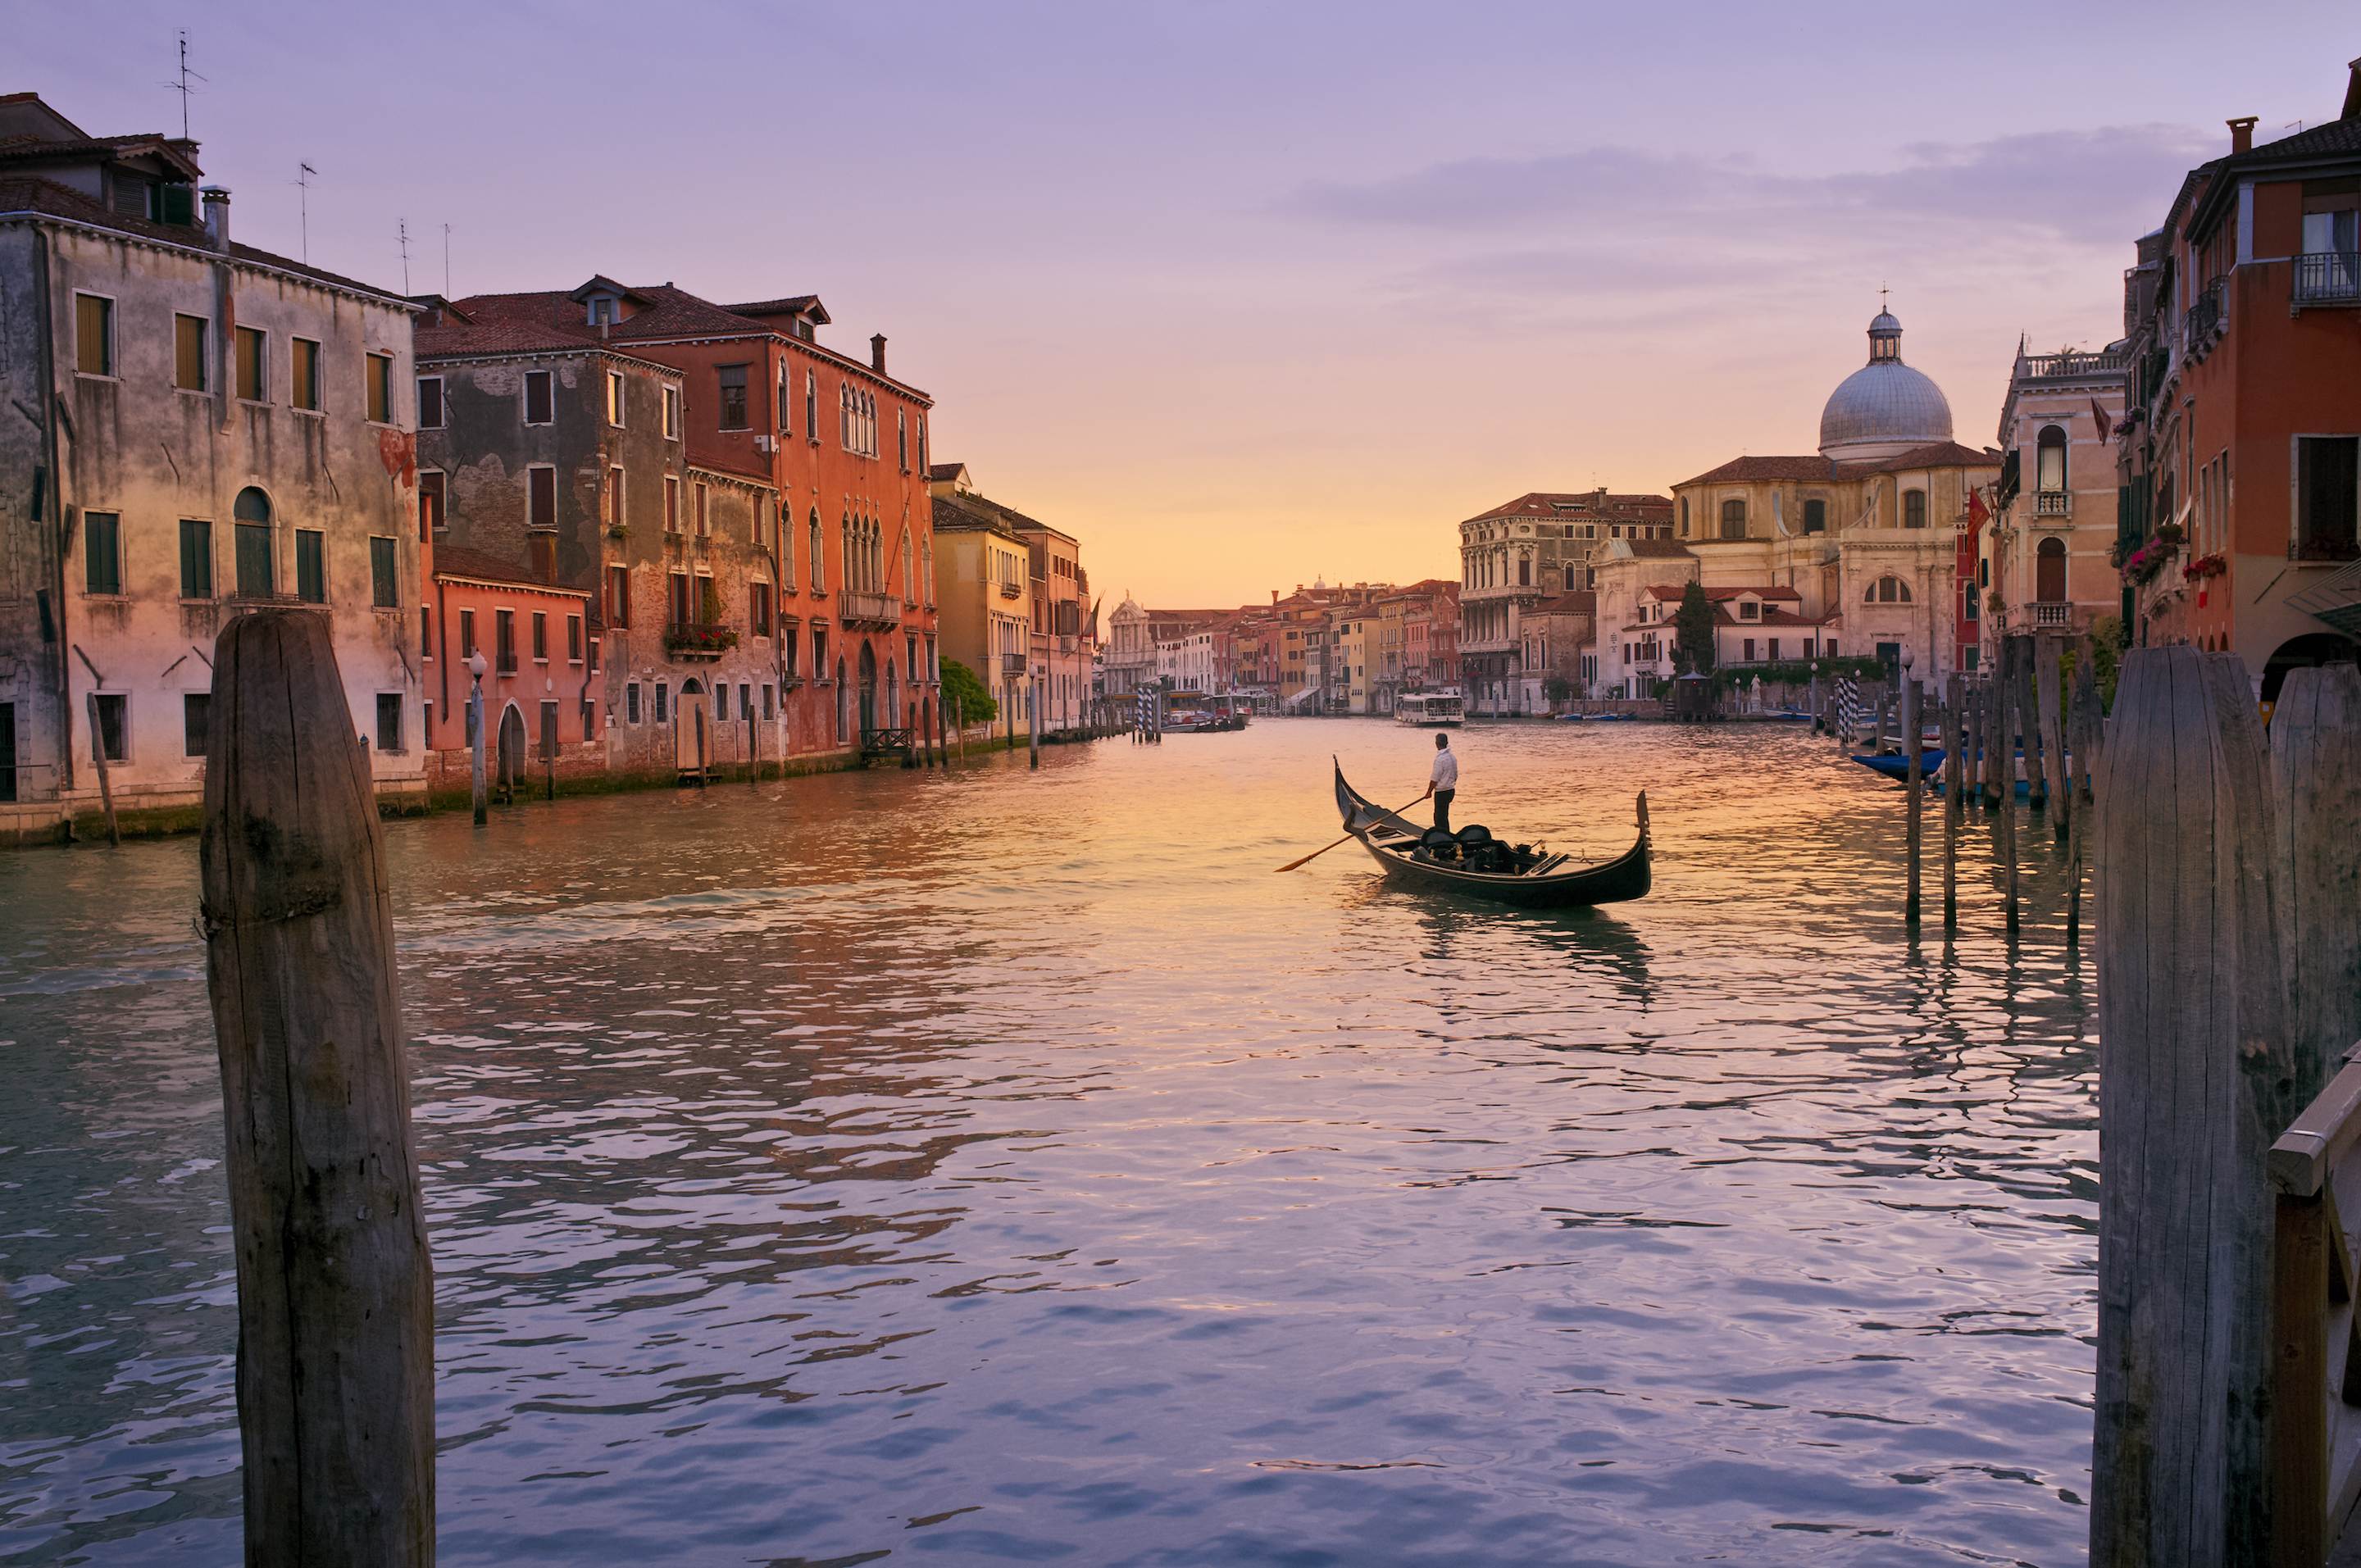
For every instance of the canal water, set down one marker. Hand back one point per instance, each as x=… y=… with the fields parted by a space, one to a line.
x=1004 y=1166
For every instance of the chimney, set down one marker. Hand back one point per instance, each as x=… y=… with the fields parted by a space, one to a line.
x=2242 y=134
x=877 y=343
x=2352 y=110
x=216 y=217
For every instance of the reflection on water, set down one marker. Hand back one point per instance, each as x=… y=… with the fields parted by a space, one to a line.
x=1007 y=1165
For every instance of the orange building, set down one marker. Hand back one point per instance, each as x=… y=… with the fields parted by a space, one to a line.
x=543 y=694
x=2241 y=459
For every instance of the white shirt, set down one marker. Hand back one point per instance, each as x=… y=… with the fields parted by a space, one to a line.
x=1447 y=770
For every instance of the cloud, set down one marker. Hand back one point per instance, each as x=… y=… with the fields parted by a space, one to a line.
x=2103 y=186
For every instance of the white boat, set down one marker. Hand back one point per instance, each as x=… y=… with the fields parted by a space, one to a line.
x=1430 y=711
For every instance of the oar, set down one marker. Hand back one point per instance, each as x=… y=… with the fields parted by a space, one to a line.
x=1315 y=854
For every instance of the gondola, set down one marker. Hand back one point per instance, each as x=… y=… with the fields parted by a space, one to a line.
x=1472 y=862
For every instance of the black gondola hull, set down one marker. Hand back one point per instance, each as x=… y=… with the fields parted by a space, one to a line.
x=1387 y=838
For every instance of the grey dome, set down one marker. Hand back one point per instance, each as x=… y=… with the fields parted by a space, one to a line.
x=1884 y=407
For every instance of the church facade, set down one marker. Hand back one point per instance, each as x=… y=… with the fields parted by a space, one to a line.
x=1852 y=550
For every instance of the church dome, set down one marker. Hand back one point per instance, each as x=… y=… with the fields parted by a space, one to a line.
x=1884 y=407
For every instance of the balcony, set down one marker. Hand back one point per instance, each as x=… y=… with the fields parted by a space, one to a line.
x=2050 y=614
x=2069 y=366
x=2327 y=277
x=1012 y=666
x=876 y=612
x=2053 y=503
x=1012 y=590
x=699 y=640
x=2201 y=328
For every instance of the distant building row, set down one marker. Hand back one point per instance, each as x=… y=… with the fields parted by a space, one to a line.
x=1318 y=650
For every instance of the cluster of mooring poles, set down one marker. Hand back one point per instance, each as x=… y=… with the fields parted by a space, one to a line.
x=1147 y=716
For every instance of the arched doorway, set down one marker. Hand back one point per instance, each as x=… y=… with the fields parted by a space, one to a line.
x=868 y=688
x=2049 y=571
x=511 y=750
x=692 y=729
x=2300 y=652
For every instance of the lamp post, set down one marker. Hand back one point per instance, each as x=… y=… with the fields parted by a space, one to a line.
x=476 y=667
x=1910 y=749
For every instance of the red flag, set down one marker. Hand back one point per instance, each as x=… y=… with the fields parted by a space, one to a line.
x=1977 y=515
x=2106 y=428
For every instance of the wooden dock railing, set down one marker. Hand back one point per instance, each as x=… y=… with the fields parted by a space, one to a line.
x=2315 y=1370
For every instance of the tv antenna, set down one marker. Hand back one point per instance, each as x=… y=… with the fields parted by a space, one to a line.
x=304 y=175
x=446 y=261
x=402 y=231
x=181 y=87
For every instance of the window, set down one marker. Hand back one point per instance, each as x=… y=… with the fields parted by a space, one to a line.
x=2049 y=460
x=630 y=702
x=431 y=493
x=102 y=551
x=619 y=598
x=256 y=576
x=1914 y=508
x=704 y=520
x=253 y=365
x=770 y=709
x=111 y=726
x=732 y=380
x=787 y=640
x=196 y=559
x=430 y=403
x=378 y=382
x=196 y=718
x=1775 y=650
x=615 y=399
x=540 y=637
x=2049 y=571
x=426 y=631
x=615 y=496
x=1749 y=610
x=672 y=414
x=1887 y=590
x=902 y=439
x=311 y=566
x=385 y=591
x=672 y=503
x=540 y=399
x=594 y=655
x=389 y=721
x=189 y=353
x=817 y=585
x=94 y=335
x=541 y=497
x=1733 y=520
x=1816 y=516
x=467 y=634
x=504 y=657
x=1748 y=657
x=2328 y=497
x=304 y=374
x=819 y=652
x=708 y=605
x=783 y=395
x=758 y=609
x=678 y=584
x=663 y=701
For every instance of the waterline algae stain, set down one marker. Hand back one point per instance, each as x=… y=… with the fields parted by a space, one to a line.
x=993 y=1164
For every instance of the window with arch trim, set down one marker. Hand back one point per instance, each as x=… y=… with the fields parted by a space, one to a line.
x=2049 y=460
x=819 y=581
x=1733 y=520
x=1685 y=517
x=1887 y=590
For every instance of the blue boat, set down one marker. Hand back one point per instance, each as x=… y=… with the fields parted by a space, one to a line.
x=1930 y=759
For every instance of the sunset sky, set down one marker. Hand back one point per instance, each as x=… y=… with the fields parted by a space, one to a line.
x=1247 y=293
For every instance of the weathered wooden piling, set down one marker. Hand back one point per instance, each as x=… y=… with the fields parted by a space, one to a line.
x=1915 y=780
x=2028 y=704
x=2007 y=724
x=2058 y=791
x=98 y=759
x=2316 y=774
x=2195 y=1072
x=2086 y=725
x=1953 y=773
x=1033 y=725
x=959 y=727
x=336 y=1360
x=476 y=731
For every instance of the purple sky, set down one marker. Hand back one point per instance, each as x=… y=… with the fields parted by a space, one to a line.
x=1245 y=293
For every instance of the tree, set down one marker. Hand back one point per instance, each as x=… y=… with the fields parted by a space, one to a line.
x=961 y=687
x=1693 y=631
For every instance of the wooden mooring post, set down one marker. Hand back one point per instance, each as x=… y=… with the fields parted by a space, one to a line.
x=2197 y=1082
x=1915 y=779
x=98 y=759
x=2049 y=715
x=2005 y=690
x=1954 y=771
x=1033 y=725
x=2084 y=726
x=476 y=729
x=335 y=1358
x=2316 y=775
x=2028 y=721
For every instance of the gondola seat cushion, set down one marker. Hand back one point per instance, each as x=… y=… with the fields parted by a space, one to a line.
x=1436 y=838
x=1475 y=833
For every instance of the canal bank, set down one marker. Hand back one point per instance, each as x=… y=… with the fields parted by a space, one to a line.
x=1006 y=1162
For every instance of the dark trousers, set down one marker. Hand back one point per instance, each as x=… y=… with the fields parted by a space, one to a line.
x=1443 y=808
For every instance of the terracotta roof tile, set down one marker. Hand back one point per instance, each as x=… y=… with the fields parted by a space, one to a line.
x=1555 y=504
x=458 y=561
x=24 y=194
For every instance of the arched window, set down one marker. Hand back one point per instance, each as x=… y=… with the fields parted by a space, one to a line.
x=1685 y=517
x=251 y=506
x=818 y=581
x=787 y=546
x=909 y=583
x=1524 y=571
x=2050 y=465
x=1733 y=520
x=843 y=704
x=1887 y=590
x=256 y=579
x=1914 y=508
x=2049 y=571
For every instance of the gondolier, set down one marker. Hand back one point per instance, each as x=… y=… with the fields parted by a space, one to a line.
x=1443 y=782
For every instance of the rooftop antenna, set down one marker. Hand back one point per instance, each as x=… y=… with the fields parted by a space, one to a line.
x=402 y=233
x=305 y=174
x=181 y=87
x=446 y=261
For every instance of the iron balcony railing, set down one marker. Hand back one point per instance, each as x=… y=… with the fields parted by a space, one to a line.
x=1012 y=590
x=2054 y=503
x=2202 y=324
x=1012 y=665
x=2328 y=278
